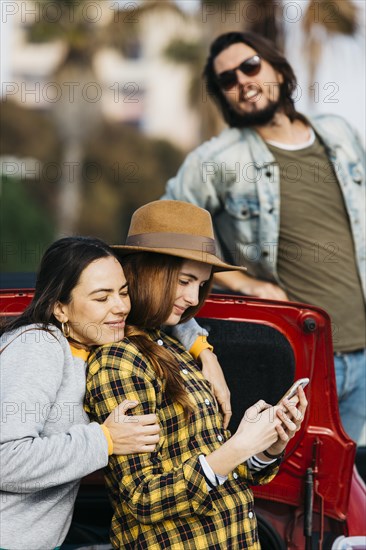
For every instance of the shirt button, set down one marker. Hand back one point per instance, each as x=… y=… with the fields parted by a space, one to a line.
x=184 y=371
x=207 y=401
x=250 y=515
x=160 y=342
x=219 y=437
x=235 y=476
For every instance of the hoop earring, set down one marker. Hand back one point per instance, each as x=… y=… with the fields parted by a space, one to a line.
x=65 y=329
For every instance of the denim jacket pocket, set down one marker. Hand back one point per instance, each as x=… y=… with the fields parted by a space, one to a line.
x=243 y=222
x=241 y=207
x=356 y=173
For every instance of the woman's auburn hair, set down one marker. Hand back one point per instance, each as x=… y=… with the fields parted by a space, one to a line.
x=152 y=281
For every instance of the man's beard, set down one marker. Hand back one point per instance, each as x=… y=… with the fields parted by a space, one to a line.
x=259 y=117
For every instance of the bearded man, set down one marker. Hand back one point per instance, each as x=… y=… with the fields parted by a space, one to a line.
x=287 y=197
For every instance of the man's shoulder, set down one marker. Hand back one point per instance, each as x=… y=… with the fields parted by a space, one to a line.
x=228 y=139
x=336 y=132
x=330 y=122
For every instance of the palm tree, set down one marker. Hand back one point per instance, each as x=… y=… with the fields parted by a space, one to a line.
x=214 y=17
x=333 y=17
x=76 y=112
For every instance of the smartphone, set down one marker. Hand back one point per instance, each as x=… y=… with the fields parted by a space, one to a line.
x=292 y=391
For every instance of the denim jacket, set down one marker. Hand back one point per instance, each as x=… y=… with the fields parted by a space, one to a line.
x=236 y=178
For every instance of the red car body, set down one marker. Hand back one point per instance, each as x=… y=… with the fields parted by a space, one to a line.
x=318 y=495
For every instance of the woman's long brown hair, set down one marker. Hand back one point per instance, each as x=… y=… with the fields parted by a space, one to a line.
x=152 y=280
x=60 y=270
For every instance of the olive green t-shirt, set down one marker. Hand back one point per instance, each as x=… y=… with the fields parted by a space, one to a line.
x=316 y=257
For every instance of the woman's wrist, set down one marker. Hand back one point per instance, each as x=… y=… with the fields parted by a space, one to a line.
x=225 y=459
x=109 y=439
x=272 y=455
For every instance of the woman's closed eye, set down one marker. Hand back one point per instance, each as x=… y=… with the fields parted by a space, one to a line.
x=185 y=283
x=103 y=299
x=123 y=294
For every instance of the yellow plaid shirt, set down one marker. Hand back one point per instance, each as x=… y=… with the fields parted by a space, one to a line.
x=161 y=500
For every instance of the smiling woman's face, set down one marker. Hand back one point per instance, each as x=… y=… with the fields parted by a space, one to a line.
x=99 y=304
x=192 y=276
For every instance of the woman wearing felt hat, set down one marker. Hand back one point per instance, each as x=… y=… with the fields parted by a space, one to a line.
x=193 y=491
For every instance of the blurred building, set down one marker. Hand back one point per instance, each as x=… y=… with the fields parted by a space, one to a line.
x=144 y=87
x=328 y=62
x=141 y=87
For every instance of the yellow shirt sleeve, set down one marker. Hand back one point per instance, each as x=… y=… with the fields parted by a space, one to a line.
x=199 y=345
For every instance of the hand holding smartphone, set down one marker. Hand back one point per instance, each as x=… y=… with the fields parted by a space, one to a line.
x=303 y=382
x=291 y=414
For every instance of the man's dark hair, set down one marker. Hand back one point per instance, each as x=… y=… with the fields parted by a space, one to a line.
x=266 y=50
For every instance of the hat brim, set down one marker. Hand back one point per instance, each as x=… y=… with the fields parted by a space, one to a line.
x=197 y=256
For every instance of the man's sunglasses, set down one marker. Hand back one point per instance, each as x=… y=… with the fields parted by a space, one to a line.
x=250 y=67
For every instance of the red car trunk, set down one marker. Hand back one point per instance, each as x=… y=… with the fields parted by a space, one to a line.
x=263 y=346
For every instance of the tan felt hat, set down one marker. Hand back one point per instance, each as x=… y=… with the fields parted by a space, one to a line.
x=175 y=228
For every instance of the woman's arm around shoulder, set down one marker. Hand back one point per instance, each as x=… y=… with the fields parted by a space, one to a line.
x=32 y=371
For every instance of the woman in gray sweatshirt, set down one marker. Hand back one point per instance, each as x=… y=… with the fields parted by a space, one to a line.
x=47 y=442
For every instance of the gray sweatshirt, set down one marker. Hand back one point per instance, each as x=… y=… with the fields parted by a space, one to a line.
x=46 y=441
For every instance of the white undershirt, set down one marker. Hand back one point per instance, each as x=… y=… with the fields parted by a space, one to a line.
x=295 y=147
